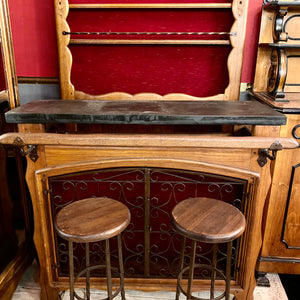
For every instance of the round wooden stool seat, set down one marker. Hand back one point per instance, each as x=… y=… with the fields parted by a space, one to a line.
x=208 y=220
x=92 y=220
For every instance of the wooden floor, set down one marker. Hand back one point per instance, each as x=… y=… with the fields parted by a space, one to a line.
x=29 y=289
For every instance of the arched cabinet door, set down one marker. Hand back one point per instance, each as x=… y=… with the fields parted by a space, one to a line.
x=150 y=187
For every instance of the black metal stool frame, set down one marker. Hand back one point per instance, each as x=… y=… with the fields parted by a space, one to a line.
x=213 y=267
x=72 y=278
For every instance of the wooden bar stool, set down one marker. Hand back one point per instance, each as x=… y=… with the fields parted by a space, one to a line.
x=209 y=221
x=93 y=220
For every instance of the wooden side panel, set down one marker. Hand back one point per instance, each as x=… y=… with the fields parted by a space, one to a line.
x=292 y=222
x=280 y=249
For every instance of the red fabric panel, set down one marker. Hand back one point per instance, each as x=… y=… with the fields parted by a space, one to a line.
x=158 y=69
x=34 y=37
x=149 y=1
x=136 y=20
x=251 y=41
x=136 y=69
x=33 y=26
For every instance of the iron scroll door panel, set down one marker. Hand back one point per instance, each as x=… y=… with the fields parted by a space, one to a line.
x=150 y=190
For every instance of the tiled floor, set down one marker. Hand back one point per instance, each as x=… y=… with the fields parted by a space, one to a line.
x=29 y=289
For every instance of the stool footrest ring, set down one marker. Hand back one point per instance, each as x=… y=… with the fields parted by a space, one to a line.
x=91 y=268
x=200 y=266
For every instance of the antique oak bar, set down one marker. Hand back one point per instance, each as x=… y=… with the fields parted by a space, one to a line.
x=127 y=140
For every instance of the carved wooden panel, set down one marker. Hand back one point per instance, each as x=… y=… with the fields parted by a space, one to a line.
x=278 y=61
x=292 y=84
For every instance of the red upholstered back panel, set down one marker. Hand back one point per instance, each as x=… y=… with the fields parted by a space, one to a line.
x=151 y=20
x=37 y=18
x=149 y=1
x=197 y=70
x=157 y=69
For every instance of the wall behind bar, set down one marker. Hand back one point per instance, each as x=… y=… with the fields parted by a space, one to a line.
x=34 y=37
x=33 y=28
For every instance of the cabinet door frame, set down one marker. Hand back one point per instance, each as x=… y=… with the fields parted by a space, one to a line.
x=44 y=217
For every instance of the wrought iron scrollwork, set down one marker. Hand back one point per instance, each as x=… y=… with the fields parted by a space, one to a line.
x=150 y=246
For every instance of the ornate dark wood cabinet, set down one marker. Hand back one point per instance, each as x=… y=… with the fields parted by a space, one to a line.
x=150 y=172
x=278 y=58
x=277 y=83
x=280 y=249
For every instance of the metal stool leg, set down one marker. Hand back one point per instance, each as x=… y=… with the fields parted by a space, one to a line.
x=228 y=270
x=71 y=270
x=213 y=271
x=87 y=278
x=191 y=270
x=121 y=267
x=180 y=267
x=108 y=270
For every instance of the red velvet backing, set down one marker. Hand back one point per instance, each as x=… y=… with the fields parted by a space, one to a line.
x=148 y=1
x=136 y=20
x=194 y=70
x=35 y=42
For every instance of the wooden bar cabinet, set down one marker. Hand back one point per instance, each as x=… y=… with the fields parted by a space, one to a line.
x=149 y=115
x=150 y=171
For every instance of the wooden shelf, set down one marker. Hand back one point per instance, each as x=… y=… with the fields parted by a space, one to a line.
x=146 y=42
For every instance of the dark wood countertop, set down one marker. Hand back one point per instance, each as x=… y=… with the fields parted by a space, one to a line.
x=145 y=112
